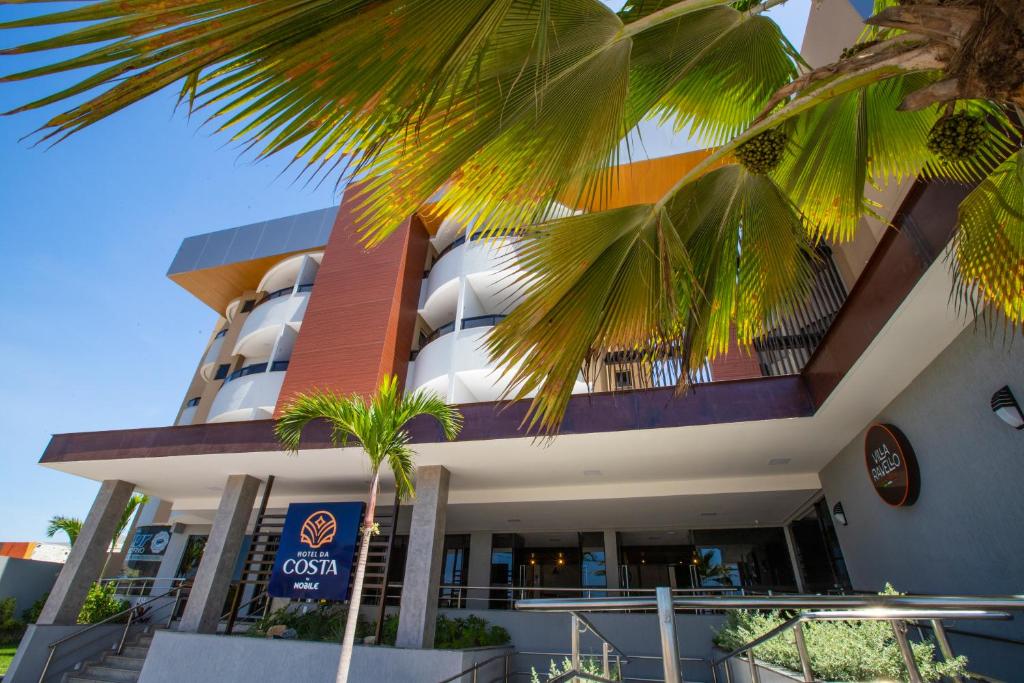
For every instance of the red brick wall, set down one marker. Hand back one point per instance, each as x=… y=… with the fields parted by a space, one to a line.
x=359 y=322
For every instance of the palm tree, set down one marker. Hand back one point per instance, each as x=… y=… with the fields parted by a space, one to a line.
x=134 y=503
x=71 y=526
x=379 y=425
x=510 y=105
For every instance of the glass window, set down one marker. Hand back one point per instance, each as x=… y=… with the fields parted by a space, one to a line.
x=192 y=402
x=222 y=371
x=248 y=305
x=189 y=564
x=623 y=379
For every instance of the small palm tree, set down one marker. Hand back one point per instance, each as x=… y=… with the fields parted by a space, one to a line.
x=71 y=526
x=379 y=425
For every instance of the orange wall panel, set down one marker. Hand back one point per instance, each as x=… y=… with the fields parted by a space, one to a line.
x=359 y=322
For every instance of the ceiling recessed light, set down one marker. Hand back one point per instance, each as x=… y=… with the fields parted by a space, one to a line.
x=592 y=473
x=780 y=461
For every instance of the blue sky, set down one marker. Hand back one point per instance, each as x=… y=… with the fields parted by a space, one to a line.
x=95 y=336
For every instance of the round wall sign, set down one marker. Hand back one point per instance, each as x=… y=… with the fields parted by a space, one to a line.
x=891 y=465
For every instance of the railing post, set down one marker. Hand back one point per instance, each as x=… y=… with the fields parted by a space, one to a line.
x=606 y=670
x=575 y=639
x=235 y=597
x=801 y=648
x=944 y=647
x=755 y=673
x=124 y=634
x=667 y=628
x=899 y=630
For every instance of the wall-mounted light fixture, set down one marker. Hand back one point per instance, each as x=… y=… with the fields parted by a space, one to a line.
x=839 y=514
x=1006 y=407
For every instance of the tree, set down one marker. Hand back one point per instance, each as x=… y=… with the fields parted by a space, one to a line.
x=71 y=526
x=379 y=425
x=510 y=105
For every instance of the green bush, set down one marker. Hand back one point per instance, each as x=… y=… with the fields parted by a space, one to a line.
x=454 y=634
x=10 y=628
x=325 y=624
x=31 y=615
x=838 y=650
x=588 y=665
x=101 y=603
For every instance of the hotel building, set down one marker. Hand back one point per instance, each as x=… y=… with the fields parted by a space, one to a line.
x=754 y=481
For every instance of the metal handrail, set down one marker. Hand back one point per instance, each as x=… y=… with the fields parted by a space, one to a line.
x=130 y=612
x=479 y=665
x=898 y=610
x=232 y=614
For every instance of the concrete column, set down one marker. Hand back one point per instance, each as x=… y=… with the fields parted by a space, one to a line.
x=156 y=511
x=794 y=559
x=418 y=612
x=210 y=588
x=88 y=554
x=479 y=568
x=611 y=559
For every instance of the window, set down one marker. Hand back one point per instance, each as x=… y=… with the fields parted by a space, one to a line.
x=192 y=402
x=623 y=379
x=248 y=305
x=222 y=371
x=221 y=333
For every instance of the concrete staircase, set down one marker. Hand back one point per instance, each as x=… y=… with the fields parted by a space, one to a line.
x=114 y=668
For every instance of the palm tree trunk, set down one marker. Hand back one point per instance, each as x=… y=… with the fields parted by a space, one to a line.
x=352 y=620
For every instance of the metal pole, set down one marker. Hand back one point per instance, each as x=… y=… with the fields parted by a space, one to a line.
x=667 y=627
x=755 y=674
x=605 y=666
x=46 y=667
x=944 y=647
x=235 y=597
x=899 y=629
x=575 y=643
x=508 y=665
x=124 y=634
x=801 y=648
x=174 y=609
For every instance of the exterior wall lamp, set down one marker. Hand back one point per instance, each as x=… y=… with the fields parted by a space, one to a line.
x=1006 y=407
x=839 y=514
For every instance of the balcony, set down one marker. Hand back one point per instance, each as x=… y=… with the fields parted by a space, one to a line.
x=455 y=364
x=249 y=393
x=484 y=265
x=209 y=364
x=268 y=318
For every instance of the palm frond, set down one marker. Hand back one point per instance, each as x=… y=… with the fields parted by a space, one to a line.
x=71 y=526
x=723 y=253
x=379 y=423
x=989 y=244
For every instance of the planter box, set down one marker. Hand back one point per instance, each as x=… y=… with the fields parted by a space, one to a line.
x=176 y=657
x=739 y=669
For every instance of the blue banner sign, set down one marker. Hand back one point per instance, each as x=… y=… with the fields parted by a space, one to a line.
x=318 y=547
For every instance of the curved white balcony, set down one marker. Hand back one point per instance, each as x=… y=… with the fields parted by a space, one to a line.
x=457 y=365
x=248 y=395
x=209 y=364
x=486 y=265
x=187 y=416
x=264 y=324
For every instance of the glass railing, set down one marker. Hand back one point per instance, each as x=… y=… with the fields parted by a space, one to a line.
x=482 y=321
x=284 y=291
x=257 y=368
x=440 y=332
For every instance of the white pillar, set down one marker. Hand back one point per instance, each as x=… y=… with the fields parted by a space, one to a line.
x=794 y=558
x=88 y=554
x=479 y=569
x=213 y=580
x=418 y=611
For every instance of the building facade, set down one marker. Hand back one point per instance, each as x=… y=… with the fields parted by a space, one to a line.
x=760 y=479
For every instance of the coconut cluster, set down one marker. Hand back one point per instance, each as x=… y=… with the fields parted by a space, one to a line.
x=956 y=137
x=762 y=154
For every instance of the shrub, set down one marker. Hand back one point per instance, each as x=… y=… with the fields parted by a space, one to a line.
x=587 y=665
x=31 y=615
x=325 y=624
x=454 y=634
x=101 y=603
x=838 y=650
x=10 y=628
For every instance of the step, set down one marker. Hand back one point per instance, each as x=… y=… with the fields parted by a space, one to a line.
x=135 y=651
x=144 y=640
x=100 y=672
x=87 y=677
x=122 y=662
